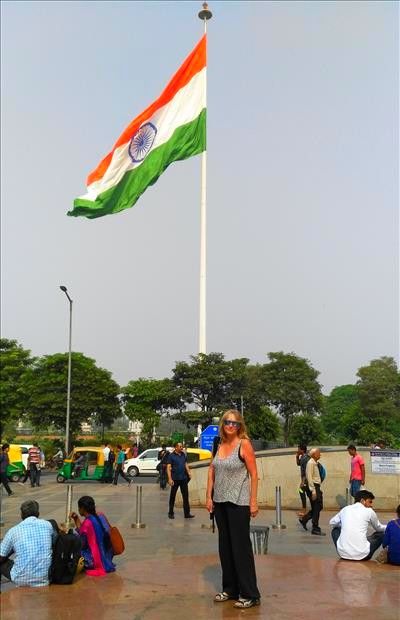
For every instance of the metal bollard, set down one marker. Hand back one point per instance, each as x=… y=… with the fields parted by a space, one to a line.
x=347 y=496
x=138 y=524
x=259 y=539
x=278 y=510
x=68 y=508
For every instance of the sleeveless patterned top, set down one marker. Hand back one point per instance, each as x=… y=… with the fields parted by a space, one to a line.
x=231 y=483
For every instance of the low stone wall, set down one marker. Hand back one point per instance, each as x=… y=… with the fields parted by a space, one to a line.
x=278 y=468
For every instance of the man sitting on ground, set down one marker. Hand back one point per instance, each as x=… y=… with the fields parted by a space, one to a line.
x=350 y=529
x=31 y=542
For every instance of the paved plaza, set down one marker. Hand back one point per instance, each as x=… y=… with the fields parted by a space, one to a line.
x=170 y=569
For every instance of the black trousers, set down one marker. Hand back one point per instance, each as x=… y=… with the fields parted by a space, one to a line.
x=35 y=475
x=119 y=472
x=235 y=550
x=4 y=482
x=316 y=507
x=183 y=485
x=163 y=476
x=107 y=472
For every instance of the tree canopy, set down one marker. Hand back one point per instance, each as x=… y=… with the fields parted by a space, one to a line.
x=281 y=395
x=291 y=387
x=306 y=429
x=14 y=361
x=340 y=408
x=210 y=383
x=94 y=394
x=146 y=399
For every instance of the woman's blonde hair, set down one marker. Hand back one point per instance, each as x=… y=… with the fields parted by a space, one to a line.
x=242 y=430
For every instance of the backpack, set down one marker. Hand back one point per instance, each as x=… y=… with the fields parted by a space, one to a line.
x=322 y=471
x=111 y=457
x=65 y=558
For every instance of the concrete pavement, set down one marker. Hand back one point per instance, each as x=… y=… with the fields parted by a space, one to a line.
x=170 y=569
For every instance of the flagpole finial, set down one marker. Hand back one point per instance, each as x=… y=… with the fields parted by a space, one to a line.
x=205 y=14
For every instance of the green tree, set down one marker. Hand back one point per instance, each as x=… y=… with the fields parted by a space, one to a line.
x=340 y=408
x=211 y=383
x=14 y=361
x=264 y=424
x=291 y=387
x=146 y=399
x=379 y=391
x=254 y=390
x=94 y=394
x=306 y=429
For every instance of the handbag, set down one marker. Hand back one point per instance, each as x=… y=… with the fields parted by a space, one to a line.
x=117 y=542
x=115 y=537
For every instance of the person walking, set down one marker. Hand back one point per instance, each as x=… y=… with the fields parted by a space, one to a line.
x=314 y=493
x=302 y=459
x=232 y=496
x=4 y=462
x=109 y=458
x=119 y=467
x=34 y=459
x=162 y=466
x=357 y=470
x=350 y=529
x=178 y=474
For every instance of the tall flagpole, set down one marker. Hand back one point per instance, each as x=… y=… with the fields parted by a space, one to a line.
x=204 y=15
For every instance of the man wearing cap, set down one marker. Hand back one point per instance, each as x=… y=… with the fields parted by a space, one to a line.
x=31 y=542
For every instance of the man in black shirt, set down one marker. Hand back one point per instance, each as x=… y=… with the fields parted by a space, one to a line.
x=179 y=475
x=302 y=459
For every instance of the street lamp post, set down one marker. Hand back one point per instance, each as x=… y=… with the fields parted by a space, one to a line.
x=64 y=290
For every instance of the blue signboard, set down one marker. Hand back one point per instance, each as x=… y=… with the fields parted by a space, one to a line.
x=207 y=437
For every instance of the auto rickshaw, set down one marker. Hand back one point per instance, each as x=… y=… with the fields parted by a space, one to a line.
x=197 y=454
x=15 y=468
x=89 y=468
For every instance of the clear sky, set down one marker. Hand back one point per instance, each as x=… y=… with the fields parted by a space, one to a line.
x=303 y=165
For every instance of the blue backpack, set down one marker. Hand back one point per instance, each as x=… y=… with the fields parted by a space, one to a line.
x=322 y=471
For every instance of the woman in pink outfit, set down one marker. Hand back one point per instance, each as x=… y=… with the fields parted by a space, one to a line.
x=94 y=531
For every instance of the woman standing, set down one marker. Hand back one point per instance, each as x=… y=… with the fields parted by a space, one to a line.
x=94 y=531
x=232 y=496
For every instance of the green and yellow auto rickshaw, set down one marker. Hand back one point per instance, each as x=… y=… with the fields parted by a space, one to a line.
x=84 y=463
x=15 y=468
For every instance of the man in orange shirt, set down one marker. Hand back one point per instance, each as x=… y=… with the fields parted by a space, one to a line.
x=357 y=472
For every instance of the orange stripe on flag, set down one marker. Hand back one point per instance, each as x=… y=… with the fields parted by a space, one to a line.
x=193 y=64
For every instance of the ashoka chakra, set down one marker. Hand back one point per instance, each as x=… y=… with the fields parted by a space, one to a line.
x=142 y=142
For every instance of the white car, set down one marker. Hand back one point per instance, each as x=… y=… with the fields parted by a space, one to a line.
x=144 y=464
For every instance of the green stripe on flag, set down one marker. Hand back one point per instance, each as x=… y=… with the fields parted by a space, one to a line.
x=186 y=141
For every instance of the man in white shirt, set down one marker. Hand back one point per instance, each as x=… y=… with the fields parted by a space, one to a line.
x=314 y=493
x=106 y=452
x=350 y=529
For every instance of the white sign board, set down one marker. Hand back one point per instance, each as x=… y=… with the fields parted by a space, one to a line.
x=385 y=462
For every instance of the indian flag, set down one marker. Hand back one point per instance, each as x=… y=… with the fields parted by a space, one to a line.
x=172 y=128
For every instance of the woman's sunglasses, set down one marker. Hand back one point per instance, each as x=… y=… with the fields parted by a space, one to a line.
x=232 y=423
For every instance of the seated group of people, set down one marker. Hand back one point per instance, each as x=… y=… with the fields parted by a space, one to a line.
x=350 y=531
x=31 y=542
